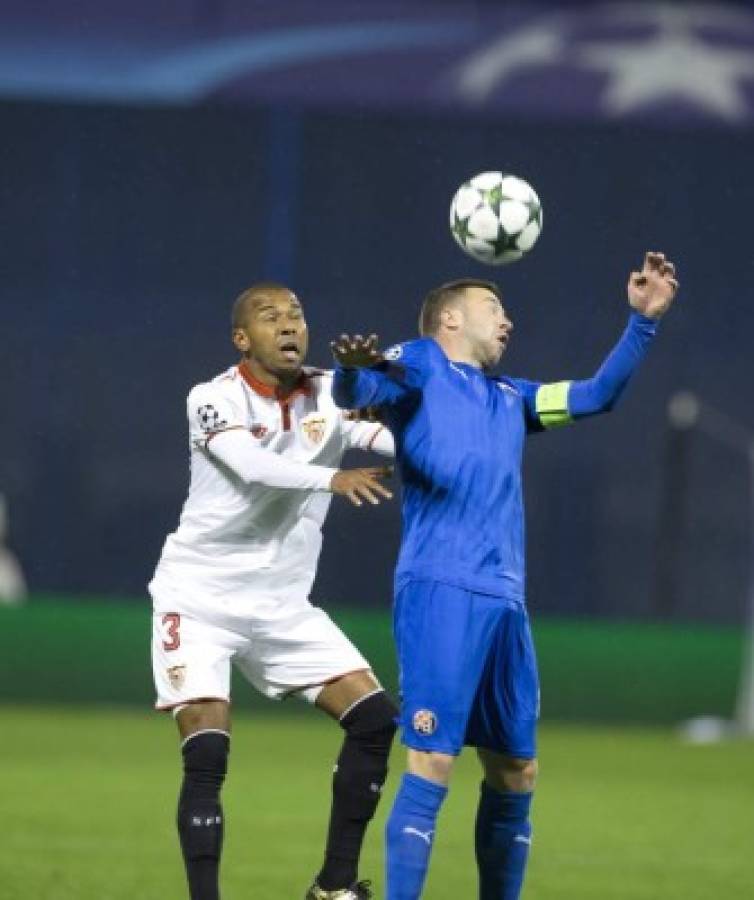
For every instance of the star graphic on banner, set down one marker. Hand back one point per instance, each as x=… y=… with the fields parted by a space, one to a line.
x=539 y=44
x=673 y=65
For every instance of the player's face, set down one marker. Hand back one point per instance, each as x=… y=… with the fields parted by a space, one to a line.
x=487 y=328
x=275 y=335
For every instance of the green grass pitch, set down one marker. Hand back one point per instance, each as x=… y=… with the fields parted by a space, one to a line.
x=88 y=796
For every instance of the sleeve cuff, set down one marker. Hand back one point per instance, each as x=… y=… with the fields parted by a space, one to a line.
x=323 y=477
x=636 y=318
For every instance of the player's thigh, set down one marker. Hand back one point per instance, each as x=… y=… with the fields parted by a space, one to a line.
x=443 y=635
x=191 y=660
x=506 y=708
x=300 y=651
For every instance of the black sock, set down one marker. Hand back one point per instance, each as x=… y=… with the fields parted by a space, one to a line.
x=200 y=816
x=359 y=775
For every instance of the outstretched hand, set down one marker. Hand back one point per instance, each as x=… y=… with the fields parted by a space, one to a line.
x=362 y=484
x=651 y=291
x=356 y=352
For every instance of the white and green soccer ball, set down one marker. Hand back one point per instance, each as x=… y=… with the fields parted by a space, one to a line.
x=496 y=217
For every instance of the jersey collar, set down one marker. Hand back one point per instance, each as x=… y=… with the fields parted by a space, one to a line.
x=302 y=386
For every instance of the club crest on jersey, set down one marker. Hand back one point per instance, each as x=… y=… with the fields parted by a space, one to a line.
x=177 y=677
x=394 y=352
x=209 y=418
x=314 y=427
x=258 y=430
x=424 y=722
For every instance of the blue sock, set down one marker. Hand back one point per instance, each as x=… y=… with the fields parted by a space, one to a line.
x=503 y=837
x=409 y=834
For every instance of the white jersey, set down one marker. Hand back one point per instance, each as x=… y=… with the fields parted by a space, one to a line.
x=261 y=467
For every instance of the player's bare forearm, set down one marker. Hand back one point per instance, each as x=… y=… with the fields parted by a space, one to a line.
x=652 y=290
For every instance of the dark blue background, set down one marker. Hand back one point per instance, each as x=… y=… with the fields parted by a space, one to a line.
x=125 y=235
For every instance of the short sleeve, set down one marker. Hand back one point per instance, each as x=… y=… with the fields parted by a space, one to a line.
x=209 y=413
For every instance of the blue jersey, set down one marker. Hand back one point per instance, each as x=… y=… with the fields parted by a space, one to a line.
x=459 y=437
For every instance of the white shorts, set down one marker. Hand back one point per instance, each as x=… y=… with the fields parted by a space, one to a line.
x=298 y=649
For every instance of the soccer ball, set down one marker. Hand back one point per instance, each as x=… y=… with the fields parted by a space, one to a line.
x=495 y=217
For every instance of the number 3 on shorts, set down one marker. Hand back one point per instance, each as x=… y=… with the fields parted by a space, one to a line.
x=171 y=622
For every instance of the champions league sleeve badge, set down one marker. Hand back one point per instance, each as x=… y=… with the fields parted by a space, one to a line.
x=209 y=418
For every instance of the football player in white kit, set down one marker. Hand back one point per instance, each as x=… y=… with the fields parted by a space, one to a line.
x=232 y=584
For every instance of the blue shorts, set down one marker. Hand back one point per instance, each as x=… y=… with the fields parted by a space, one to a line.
x=468 y=671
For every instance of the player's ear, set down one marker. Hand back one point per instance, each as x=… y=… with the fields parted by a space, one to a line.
x=451 y=317
x=241 y=340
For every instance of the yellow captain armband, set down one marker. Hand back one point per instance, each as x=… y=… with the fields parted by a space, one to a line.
x=552 y=404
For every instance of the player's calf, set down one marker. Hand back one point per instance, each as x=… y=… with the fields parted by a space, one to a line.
x=359 y=775
x=409 y=835
x=200 y=816
x=503 y=831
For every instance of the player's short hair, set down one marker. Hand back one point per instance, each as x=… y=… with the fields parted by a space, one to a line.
x=244 y=300
x=446 y=295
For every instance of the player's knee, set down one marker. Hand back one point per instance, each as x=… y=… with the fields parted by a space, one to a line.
x=361 y=769
x=521 y=775
x=371 y=724
x=205 y=761
x=209 y=715
x=513 y=774
x=436 y=767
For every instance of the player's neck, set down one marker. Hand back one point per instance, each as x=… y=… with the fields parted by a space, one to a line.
x=282 y=383
x=457 y=351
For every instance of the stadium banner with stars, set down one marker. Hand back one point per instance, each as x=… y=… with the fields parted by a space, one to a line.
x=664 y=64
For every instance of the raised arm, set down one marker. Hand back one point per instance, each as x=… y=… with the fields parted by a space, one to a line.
x=364 y=376
x=650 y=294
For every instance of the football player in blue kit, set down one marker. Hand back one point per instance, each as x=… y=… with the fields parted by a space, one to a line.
x=468 y=673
